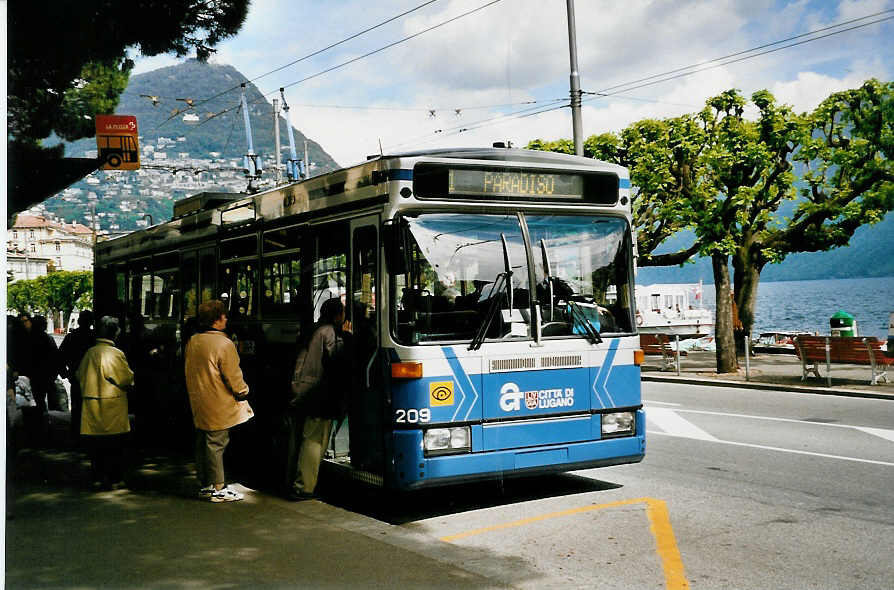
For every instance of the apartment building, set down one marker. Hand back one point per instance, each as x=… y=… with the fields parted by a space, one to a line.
x=36 y=245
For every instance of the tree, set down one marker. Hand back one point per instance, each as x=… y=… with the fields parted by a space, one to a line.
x=52 y=294
x=68 y=61
x=26 y=296
x=727 y=178
x=67 y=291
x=844 y=151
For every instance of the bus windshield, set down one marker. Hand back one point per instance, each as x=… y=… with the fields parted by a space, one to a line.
x=456 y=283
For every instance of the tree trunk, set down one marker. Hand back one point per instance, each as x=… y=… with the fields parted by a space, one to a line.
x=723 y=321
x=746 y=277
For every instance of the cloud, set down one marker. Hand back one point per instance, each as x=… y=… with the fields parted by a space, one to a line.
x=517 y=51
x=809 y=89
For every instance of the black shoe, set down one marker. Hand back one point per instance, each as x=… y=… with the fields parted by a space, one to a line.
x=299 y=496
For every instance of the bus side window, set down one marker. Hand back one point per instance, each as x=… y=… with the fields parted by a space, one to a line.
x=189 y=277
x=282 y=278
x=281 y=272
x=330 y=265
x=239 y=286
x=207 y=275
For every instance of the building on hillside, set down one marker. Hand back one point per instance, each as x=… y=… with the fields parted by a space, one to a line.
x=36 y=245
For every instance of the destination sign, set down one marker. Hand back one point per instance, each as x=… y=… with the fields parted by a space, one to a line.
x=509 y=184
x=436 y=181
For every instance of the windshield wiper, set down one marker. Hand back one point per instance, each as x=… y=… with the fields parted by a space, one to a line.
x=592 y=333
x=495 y=293
x=501 y=282
x=549 y=275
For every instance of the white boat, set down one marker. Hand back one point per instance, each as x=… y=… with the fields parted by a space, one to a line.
x=668 y=308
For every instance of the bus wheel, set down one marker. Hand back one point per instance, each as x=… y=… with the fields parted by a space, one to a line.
x=114 y=160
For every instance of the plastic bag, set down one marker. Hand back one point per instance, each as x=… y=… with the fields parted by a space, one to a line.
x=24 y=395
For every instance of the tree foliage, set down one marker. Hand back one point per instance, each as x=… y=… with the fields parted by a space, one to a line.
x=57 y=292
x=727 y=178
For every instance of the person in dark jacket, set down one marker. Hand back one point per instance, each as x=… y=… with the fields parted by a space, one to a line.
x=318 y=386
x=41 y=369
x=71 y=351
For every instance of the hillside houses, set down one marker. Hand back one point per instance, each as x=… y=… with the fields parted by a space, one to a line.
x=125 y=201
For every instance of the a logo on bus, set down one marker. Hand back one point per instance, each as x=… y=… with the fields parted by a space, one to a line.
x=511 y=398
x=441 y=393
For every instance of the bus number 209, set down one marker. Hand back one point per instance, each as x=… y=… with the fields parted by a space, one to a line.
x=412 y=416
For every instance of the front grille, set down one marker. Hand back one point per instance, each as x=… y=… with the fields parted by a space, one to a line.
x=528 y=363
x=498 y=365
x=568 y=360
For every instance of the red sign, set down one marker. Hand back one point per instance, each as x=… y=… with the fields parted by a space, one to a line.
x=116 y=142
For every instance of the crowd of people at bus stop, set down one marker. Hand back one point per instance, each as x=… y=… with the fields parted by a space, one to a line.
x=97 y=361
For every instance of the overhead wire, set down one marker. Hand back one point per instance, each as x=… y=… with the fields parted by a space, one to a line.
x=681 y=72
x=615 y=90
x=753 y=49
x=358 y=58
x=308 y=56
x=324 y=49
x=389 y=46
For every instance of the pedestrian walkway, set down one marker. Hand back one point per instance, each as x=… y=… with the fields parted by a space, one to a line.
x=158 y=534
x=770 y=371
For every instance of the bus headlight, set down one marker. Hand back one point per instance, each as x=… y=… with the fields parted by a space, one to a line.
x=618 y=424
x=439 y=441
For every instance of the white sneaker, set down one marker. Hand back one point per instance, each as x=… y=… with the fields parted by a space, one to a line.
x=226 y=495
x=205 y=493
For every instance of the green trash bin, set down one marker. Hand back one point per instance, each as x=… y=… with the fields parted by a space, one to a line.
x=843 y=324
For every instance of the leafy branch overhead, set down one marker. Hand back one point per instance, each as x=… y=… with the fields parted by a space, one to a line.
x=847 y=150
x=70 y=60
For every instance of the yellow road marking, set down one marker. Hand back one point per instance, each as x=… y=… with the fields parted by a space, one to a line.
x=660 y=526
x=674 y=577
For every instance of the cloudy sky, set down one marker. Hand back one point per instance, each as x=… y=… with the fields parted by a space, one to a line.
x=488 y=75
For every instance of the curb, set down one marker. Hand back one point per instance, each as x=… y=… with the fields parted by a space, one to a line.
x=768 y=386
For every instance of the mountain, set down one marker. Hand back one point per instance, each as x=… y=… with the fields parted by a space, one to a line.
x=183 y=149
x=214 y=90
x=869 y=254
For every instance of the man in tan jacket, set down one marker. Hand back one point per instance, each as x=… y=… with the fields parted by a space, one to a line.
x=217 y=394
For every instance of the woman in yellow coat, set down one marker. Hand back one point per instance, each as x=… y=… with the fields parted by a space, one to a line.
x=105 y=378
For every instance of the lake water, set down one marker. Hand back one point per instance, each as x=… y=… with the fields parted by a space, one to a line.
x=808 y=305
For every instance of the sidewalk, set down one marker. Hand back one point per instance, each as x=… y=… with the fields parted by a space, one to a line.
x=781 y=372
x=157 y=534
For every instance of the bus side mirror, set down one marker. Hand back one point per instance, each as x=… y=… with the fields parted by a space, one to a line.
x=396 y=251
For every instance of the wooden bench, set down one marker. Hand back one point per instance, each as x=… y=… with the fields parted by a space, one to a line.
x=659 y=344
x=813 y=350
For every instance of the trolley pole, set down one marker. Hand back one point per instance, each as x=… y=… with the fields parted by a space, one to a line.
x=575 y=83
x=277 y=174
x=306 y=161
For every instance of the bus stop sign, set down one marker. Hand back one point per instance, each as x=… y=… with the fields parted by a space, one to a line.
x=116 y=142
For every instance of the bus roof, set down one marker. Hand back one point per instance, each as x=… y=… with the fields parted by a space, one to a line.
x=197 y=217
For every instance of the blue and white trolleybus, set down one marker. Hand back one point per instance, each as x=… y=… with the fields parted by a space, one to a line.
x=491 y=293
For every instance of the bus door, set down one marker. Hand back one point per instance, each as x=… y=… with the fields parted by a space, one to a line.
x=366 y=409
x=327 y=276
x=197 y=277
